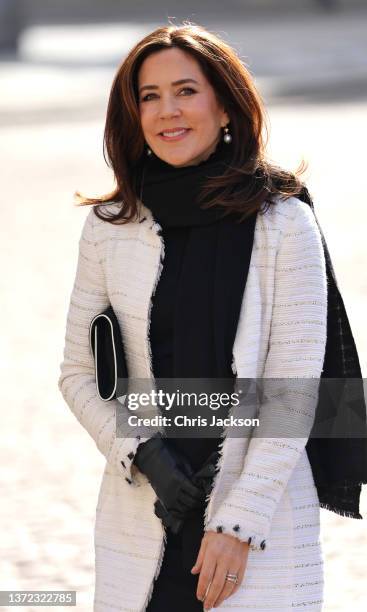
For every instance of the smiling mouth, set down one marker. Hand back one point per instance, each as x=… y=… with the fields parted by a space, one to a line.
x=174 y=134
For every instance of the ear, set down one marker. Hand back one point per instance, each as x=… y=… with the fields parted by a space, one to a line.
x=225 y=119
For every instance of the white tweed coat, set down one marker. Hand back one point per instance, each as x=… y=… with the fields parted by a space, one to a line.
x=264 y=485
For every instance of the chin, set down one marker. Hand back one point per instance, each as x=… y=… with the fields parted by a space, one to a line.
x=176 y=158
x=177 y=163
x=180 y=160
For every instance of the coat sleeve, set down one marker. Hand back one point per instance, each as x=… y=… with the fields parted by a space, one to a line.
x=287 y=409
x=77 y=382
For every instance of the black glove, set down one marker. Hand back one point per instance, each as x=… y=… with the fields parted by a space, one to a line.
x=202 y=479
x=169 y=474
x=169 y=519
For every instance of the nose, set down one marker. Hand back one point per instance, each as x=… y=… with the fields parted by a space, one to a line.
x=169 y=107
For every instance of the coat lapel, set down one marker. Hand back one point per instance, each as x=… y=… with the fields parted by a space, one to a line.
x=231 y=276
x=135 y=255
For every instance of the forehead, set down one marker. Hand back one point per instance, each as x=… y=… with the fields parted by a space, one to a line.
x=167 y=64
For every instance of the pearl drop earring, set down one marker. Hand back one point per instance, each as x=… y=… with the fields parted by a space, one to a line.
x=149 y=151
x=227 y=136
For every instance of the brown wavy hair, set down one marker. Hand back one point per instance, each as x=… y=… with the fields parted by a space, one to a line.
x=123 y=143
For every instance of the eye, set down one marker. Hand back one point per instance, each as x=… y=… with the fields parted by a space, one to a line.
x=190 y=89
x=145 y=99
x=187 y=89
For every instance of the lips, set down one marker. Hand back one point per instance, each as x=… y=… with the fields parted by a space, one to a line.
x=174 y=134
x=173 y=130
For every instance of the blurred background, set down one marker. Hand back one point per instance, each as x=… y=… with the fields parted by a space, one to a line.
x=57 y=62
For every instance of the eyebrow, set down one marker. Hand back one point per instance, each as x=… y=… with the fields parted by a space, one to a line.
x=179 y=82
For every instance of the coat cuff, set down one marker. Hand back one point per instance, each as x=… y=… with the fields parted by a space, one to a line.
x=256 y=541
x=246 y=524
x=122 y=455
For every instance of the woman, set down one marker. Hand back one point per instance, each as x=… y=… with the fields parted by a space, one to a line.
x=234 y=289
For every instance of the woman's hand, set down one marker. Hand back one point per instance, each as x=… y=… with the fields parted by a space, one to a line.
x=219 y=554
x=203 y=479
x=169 y=473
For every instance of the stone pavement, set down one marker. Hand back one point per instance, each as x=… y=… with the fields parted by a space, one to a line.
x=51 y=470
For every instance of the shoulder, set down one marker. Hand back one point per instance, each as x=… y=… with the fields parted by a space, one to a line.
x=289 y=210
x=288 y=215
x=289 y=230
x=107 y=210
x=97 y=226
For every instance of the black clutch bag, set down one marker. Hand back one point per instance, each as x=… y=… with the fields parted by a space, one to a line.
x=106 y=344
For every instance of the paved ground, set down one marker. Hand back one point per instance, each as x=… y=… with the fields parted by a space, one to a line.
x=51 y=470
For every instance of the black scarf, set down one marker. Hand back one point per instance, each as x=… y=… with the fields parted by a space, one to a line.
x=203 y=345
x=215 y=245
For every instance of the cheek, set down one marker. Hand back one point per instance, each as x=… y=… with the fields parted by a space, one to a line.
x=204 y=113
x=145 y=119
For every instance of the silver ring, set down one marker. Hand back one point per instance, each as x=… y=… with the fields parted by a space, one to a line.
x=232 y=577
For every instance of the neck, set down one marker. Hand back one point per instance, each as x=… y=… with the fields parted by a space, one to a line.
x=172 y=193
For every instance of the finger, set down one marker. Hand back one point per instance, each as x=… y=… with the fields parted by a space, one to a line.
x=187 y=485
x=191 y=502
x=200 y=558
x=241 y=577
x=179 y=508
x=235 y=586
x=189 y=514
x=187 y=470
x=206 y=577
x=205 y=485
x=207 y=471
x=243 y=565
x=225 y=589
x=186 y=506
x=191 y=489
x=218 y=585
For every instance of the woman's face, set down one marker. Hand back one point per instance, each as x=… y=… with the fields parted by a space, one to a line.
x=179 y=113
